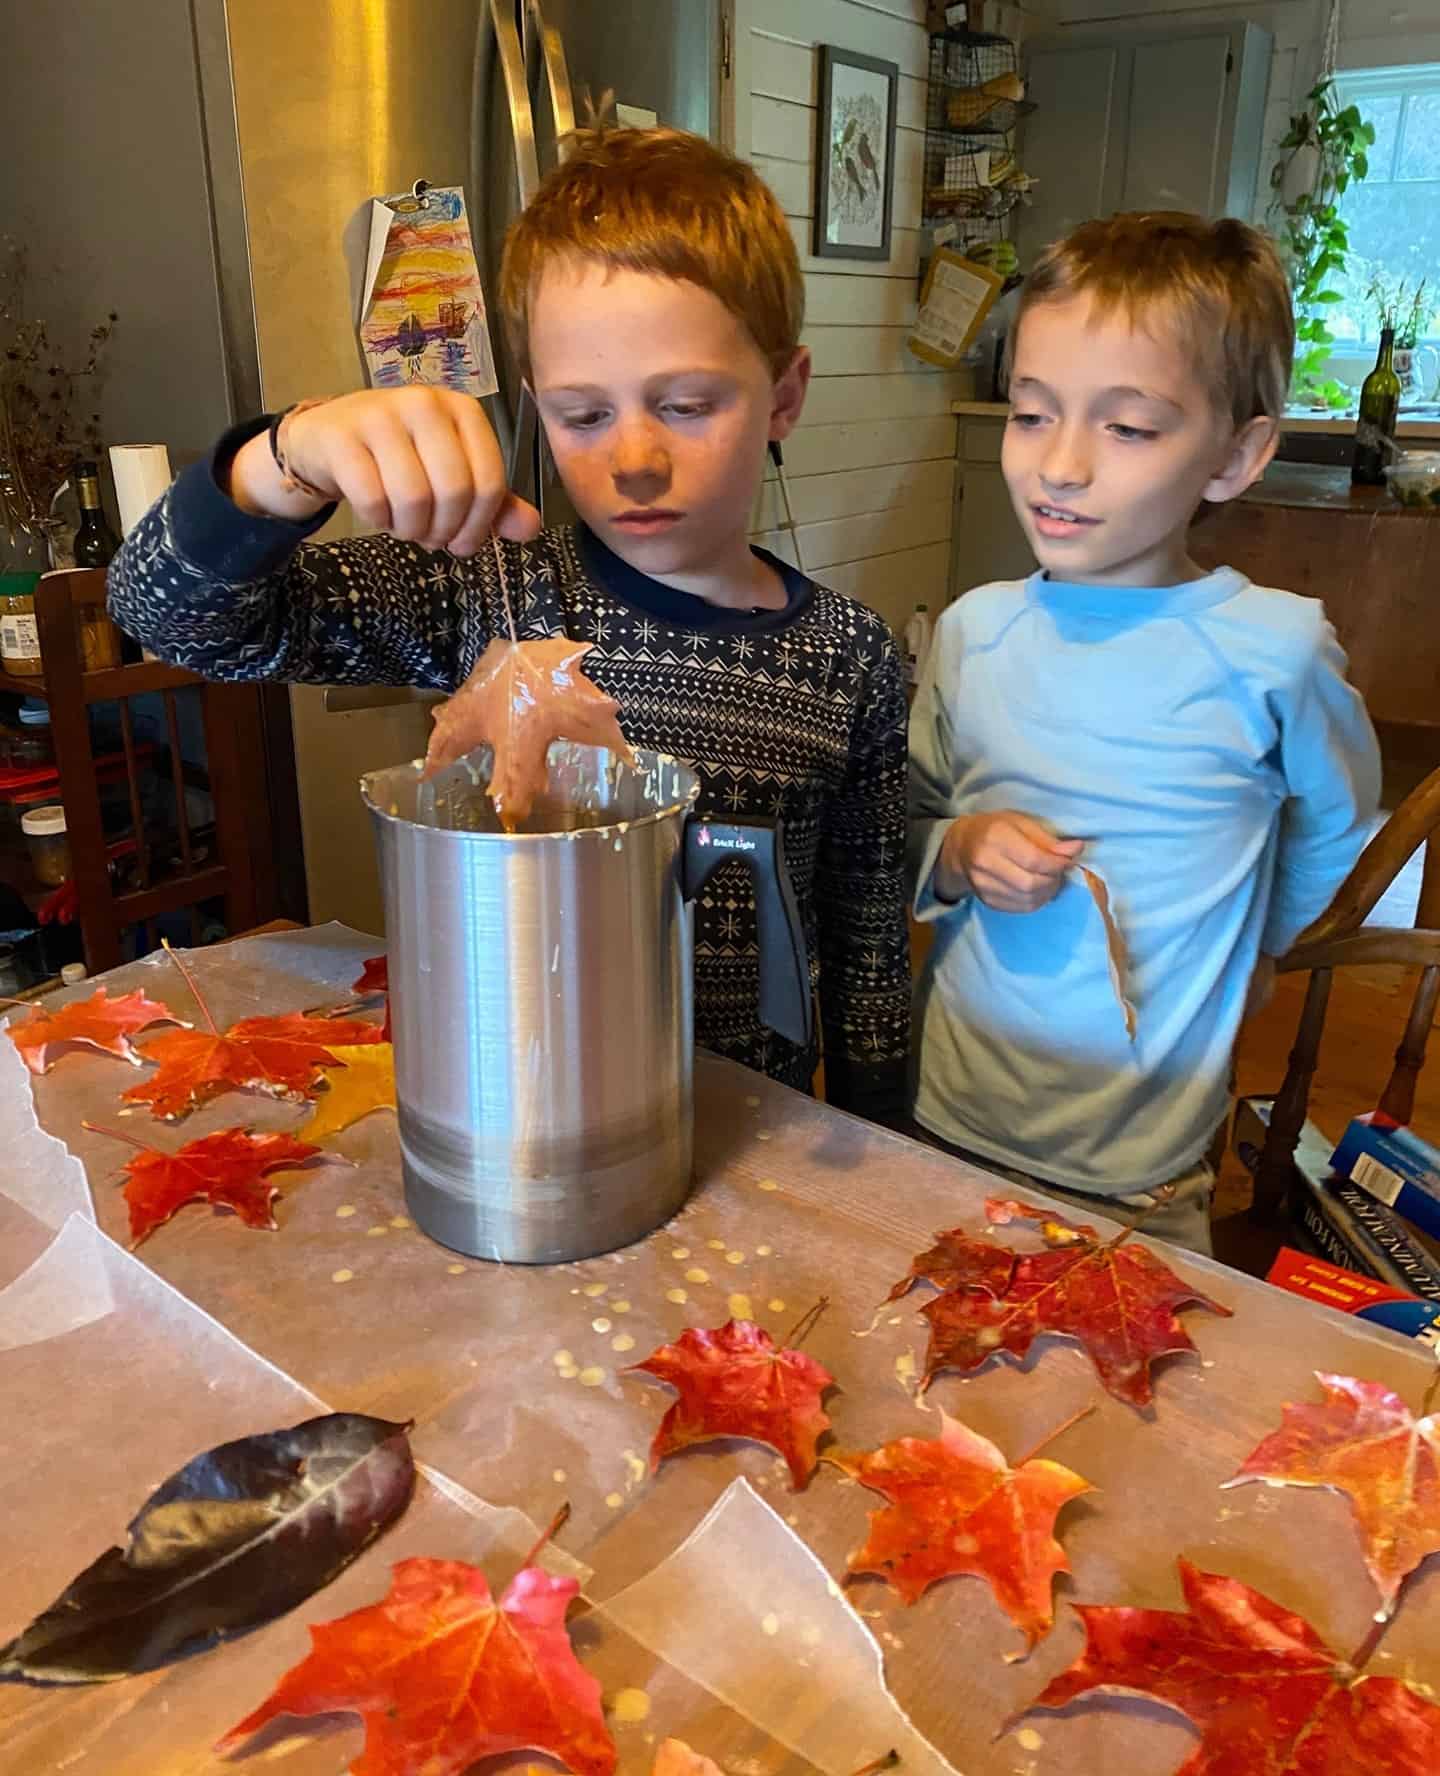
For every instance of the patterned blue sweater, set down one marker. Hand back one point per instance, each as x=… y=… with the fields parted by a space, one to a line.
x=797 y=713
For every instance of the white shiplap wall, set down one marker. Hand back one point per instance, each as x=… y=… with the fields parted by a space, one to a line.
x=872 y=468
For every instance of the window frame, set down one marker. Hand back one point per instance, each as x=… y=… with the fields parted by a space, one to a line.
x=1354 y=86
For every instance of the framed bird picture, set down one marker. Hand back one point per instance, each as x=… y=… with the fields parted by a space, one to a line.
x=854 y=155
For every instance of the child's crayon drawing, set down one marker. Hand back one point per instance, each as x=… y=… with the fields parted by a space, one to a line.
x=424 y=312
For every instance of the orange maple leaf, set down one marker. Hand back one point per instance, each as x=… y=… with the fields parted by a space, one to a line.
x=230 y=1169
x=98 y=1022
x=1364 y=1441
x=283 y=1057
x=956 y=1506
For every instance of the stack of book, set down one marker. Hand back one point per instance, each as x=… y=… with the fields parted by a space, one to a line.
x=1371 y=1205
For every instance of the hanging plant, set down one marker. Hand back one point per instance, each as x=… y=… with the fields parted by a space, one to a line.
x=1322 y=152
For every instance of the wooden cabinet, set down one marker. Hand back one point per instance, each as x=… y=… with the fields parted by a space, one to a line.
x=1142 y=120
x=987 y=541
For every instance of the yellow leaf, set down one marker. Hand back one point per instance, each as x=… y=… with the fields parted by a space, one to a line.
x=365 y=1081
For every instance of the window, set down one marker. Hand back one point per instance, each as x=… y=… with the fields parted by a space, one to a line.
x=1393 y=214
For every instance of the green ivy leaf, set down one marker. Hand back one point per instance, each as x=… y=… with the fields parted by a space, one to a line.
x=1329 y=296
x=1361 y=164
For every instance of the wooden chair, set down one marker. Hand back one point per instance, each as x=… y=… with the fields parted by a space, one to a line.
x=235 y=866
x=1339 y=938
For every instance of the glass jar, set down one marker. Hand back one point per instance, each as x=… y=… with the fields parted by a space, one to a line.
x=44 y=830
x=30 y=744
x=19 y=631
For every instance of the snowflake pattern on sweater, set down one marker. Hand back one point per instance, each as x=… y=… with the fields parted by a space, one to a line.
x=799 y=717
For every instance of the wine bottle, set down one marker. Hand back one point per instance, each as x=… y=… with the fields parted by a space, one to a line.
x=1379 y=411
x=95 y=542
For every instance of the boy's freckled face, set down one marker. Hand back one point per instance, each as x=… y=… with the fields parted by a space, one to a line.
x=1112 y=443
x=658 y=406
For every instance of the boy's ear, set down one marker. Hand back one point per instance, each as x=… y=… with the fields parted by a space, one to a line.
x=787 y=399
x=1250 y=454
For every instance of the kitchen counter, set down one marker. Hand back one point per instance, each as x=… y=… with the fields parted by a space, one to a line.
x=121 y=1366
x=1373 y=562
x=1297 y=420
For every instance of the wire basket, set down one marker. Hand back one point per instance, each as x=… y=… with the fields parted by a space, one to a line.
x=974 y=100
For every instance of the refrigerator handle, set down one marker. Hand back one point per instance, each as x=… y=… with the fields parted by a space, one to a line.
x=522 y=122
x=557 y=74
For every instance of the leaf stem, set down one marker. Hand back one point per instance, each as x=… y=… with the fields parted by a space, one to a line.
x=1431 y=1391
x=557 y=1523
x=1379 y=1628
x=888 y=1762
x=97 y=1128
x=1059 y=1431
x=190 y=982
x=1136 y=1222
x=805 y=1325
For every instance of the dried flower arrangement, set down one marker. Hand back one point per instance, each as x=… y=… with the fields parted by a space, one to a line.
x=41 y=388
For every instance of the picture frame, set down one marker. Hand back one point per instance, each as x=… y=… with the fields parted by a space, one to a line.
x=854 y=155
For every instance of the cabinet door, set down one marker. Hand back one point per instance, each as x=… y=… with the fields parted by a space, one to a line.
x=1178 y=135
x=1072 y=144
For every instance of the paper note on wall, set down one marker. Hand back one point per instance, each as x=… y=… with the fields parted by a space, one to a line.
x=423 y=315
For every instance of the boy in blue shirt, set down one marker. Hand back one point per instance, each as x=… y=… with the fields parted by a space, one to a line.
x=1190 y=735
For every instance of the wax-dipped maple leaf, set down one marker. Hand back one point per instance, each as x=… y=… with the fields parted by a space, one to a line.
x=1118 y=1300
x=230 y=1170
x=444 y=1676
x=956 y=1506
x=737 y=1382
x=957 y=1261
x=98 y=1022
x=1364 y=1441
x=374 y=976
x=363 y=1082
x=521 y=696
x=284 y=1057
x=1268 y=1696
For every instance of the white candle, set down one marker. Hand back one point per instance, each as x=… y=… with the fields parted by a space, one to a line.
x=142 y=473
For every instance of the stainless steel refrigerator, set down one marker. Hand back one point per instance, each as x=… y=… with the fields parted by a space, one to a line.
x=216 y=162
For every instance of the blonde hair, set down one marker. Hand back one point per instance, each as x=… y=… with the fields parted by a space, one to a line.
x=671 y=204
x=1218 y=286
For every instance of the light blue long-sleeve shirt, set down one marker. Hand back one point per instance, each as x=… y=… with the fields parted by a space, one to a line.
x=1203 y=741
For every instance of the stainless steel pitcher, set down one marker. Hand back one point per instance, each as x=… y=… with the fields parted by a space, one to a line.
x=541 y=997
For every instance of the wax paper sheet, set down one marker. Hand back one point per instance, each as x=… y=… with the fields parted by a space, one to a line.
x=786 y=1647
x=518 y=1377
x=121 y=1399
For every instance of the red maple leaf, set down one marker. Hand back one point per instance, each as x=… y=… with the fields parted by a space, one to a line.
x=443 y=1676
x=283 y=1057
x=1116 y=1299
x=97 y=1022
x=230 y=1169
x=374 y=977
x=956 y=1506
x=956 y=1261
x=1364 y=1441
x=736 y=1382
x=1268 y=1696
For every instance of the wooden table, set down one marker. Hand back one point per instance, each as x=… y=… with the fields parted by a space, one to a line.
x=1374 y=563
x=517 y=1382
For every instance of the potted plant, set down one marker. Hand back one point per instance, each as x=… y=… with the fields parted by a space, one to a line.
x=1321 y=153
x=1406 y=309
x=41 y=432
